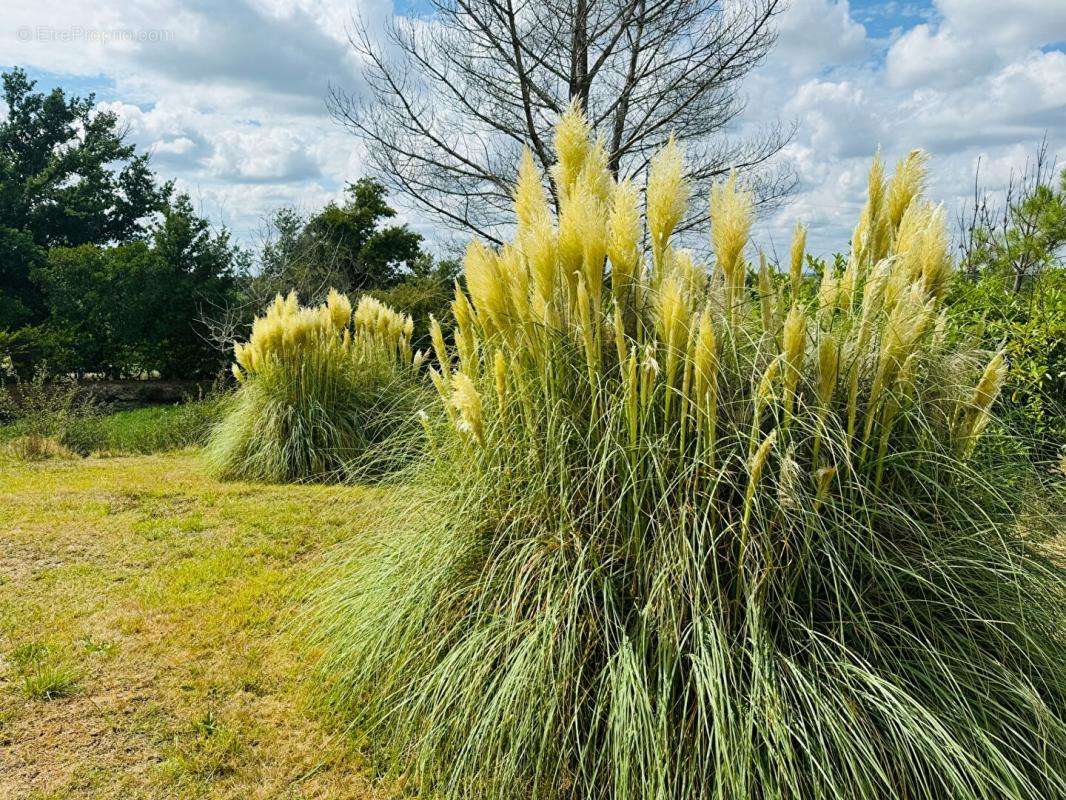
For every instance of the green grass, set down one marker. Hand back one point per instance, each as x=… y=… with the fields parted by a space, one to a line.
x=143 y=643
x=149 y=430
x=49 y=683
x=146 y=430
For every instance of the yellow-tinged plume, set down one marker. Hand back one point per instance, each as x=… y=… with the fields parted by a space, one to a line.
x=936 y=260
x=988 y=388
x=374 y=318
x=667 y=195
x=766 y=295
x=593 y=231
x=731 y=218
x=704 y=356
x=828 y=364
x=340 y=309
x=755 y=468
x=906 y=324
x=674 y=313
x=793 y=346
x=530 y=200
x=870 y=240
x=464 y=327
x=829 y=291
x=759 y=457
x=623 y=240
x=975 y=418
x=570 y=249
x=764 y=392
x=466 y=400
x=288 y=331
x=595 y=179
x=488 y=291
x=571 y=148
x=907 y=183
x=799 y=246
x=514 y=272
x=910 y=239
x=541 y=250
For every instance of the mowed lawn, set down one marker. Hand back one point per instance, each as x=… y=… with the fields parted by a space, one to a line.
x=146 y=641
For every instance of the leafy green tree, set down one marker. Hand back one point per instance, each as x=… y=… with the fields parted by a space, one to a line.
x=281 y=247
x=89 y=290
x=67 y=178
x=286 y=264
x=20 y=258
x=351 y=240
x=346 y=247
x=141 y=307
x=196 y=275
x=67 y=175
x=1024 y=236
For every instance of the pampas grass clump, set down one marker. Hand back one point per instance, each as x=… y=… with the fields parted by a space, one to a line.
x=695 y=533
x=320 y=392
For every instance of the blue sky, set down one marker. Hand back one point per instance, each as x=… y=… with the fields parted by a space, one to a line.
x=229 y=96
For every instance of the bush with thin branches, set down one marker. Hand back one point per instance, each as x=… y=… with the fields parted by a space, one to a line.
x=690 y=533
x=321 y=393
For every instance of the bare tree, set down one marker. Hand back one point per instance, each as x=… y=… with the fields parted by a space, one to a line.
x=450 y=100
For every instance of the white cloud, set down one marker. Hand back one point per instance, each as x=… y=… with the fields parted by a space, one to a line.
x=1006 y=23
x=971 y=38
x=935 y=57
x=813 y=33
x=836 y=118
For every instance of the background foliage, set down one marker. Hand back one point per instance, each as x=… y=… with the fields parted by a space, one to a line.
x=1011 y=294
x=105 y=271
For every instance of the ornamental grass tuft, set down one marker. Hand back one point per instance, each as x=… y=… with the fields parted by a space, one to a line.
x=322 y=394
x=700 y=532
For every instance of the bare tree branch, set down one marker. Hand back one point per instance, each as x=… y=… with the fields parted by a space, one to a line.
x=450 y=100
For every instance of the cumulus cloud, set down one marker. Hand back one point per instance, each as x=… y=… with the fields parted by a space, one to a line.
x=815 y=33
x=248 y=47
x=924 y=56
x=1006 y=24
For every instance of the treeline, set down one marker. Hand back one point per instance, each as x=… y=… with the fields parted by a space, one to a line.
x=107 y=271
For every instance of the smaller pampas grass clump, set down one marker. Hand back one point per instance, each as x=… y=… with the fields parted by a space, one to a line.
x=690 y=532
x=322 y=393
